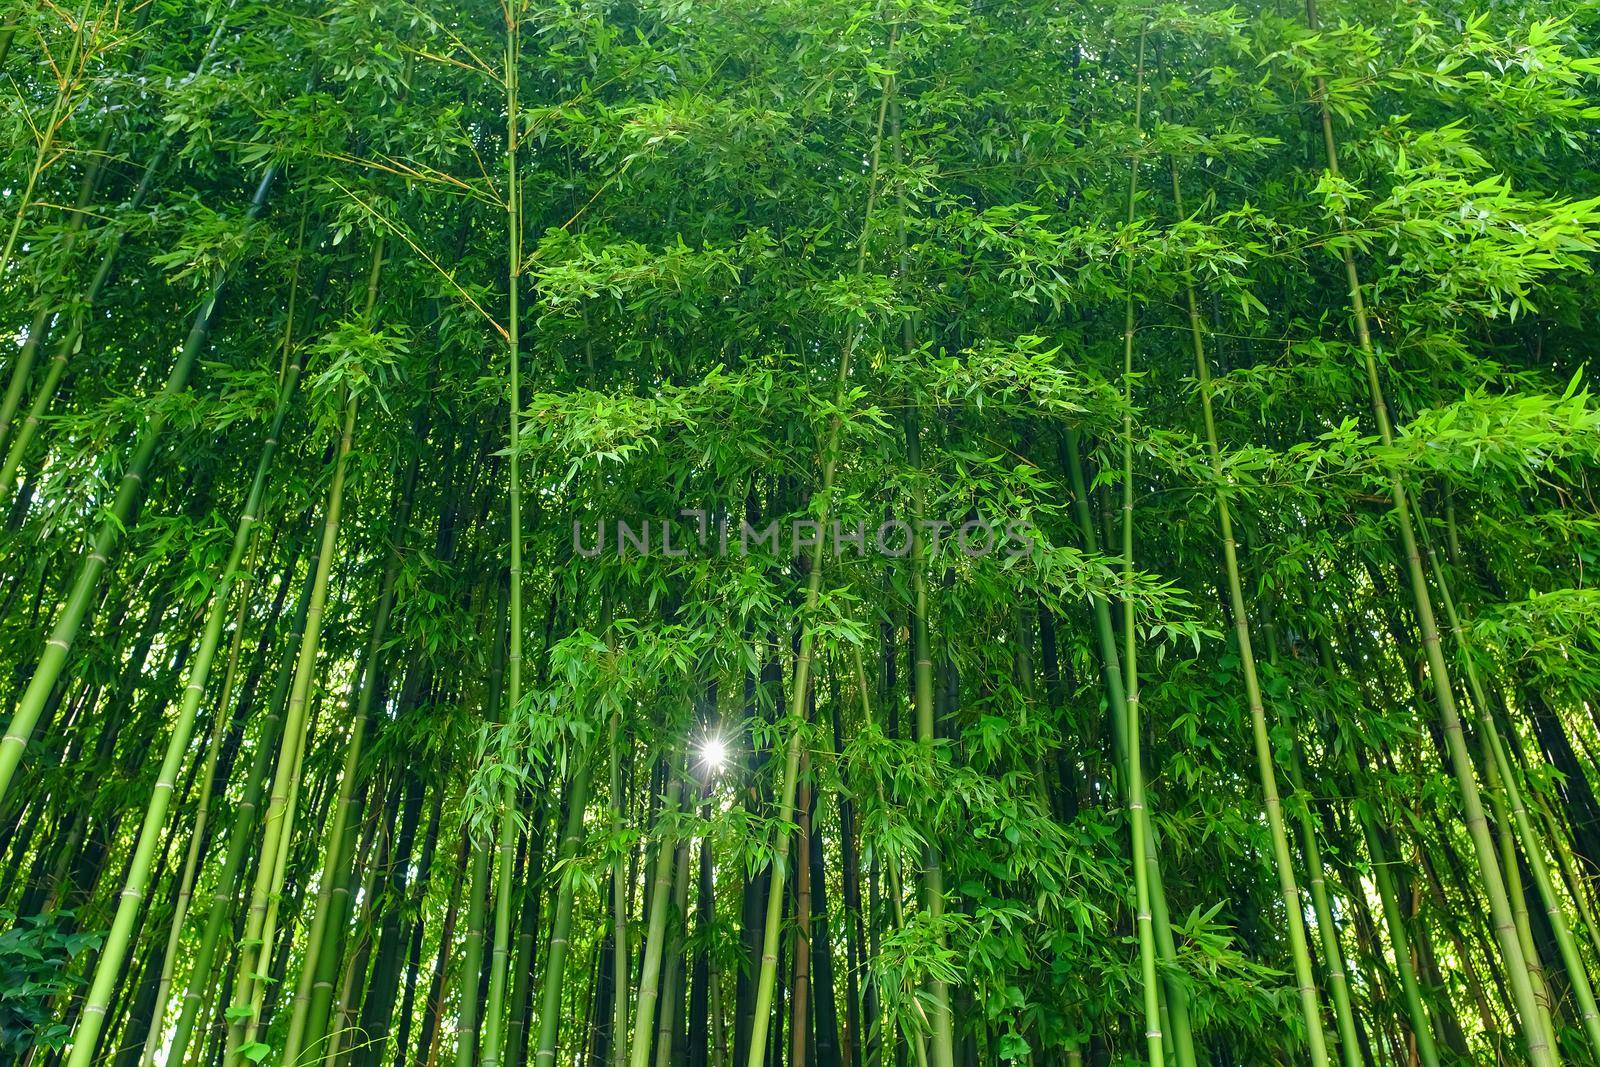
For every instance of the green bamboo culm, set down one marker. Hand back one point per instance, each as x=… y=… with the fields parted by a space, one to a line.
x=1288 y=885
x=772 y=926
x=621 y=949
x=1400 y=941
x=129 y=901
x=278 y=819
x=198 y=838
x=268 y=887
x=130 y=489
x=933 y=893
x=896 y=894
x=506 y=853
x=942 y=1038
x=561 y=924
x=1516 y=968
x=478 y=880
x=240 y=837
x=1321 y=901
x=1531 y=841
x=655 y=935
x=314 y=990
x=1138 y=812
x=1181 y=1043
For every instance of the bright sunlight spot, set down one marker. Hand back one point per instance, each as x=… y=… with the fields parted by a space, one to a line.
x=713 y=753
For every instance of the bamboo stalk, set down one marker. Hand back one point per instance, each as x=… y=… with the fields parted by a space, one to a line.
x=196 y=1002
x=1288 y=887
x=278 y=821
x=1539 y=1050
x=93 y=564
x=1132 y=730
x=829 y=457
x=655 y=936
x=1176 y=996
x=499 y=957
x=1532 y=849
x=123 y=929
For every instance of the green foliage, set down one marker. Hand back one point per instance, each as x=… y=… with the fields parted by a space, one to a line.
x=777 y=263
x=36 y=957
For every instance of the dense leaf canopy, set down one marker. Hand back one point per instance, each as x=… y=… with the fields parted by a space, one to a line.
x=833 y=534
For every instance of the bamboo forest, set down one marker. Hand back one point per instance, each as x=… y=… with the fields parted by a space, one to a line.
x=799 y=533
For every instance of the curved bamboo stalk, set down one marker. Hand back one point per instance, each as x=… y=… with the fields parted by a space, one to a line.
x=1532 y=847
x=772 y=925
x=278 y=821
x=1138 y=818
x=92 y=567
x=123 y=931
x=1288 y=887
x=1516 y=966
